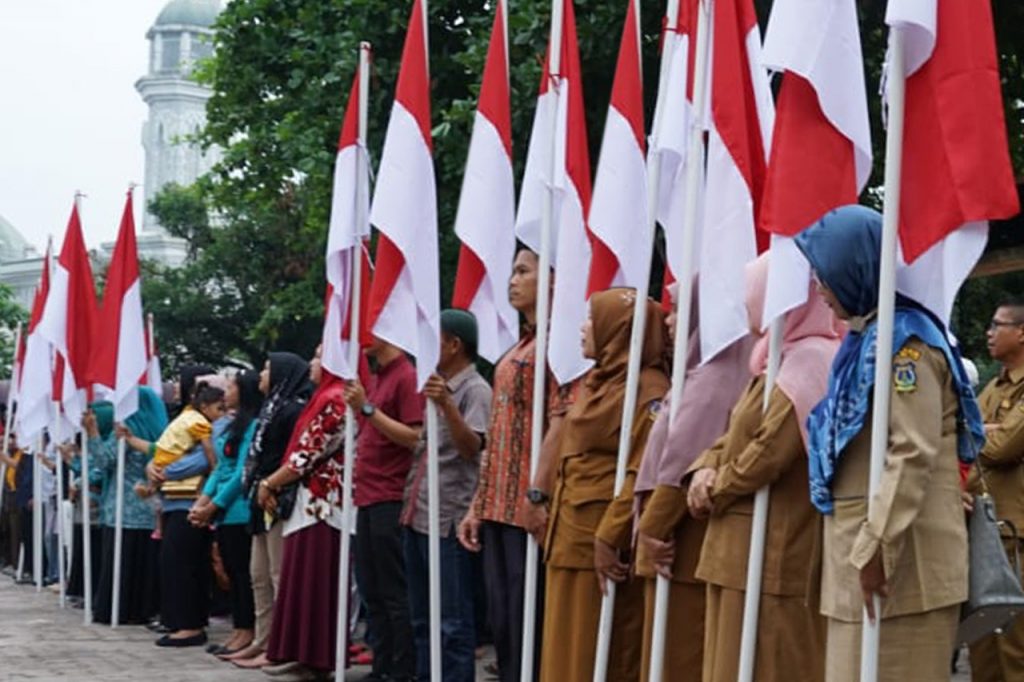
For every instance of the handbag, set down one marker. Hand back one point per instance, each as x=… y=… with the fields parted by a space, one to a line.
x=994 y=595
x=185 y=489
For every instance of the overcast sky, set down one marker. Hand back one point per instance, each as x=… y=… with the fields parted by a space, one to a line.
x=70 y=117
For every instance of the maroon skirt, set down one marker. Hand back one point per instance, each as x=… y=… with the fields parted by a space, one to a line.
x=306 y=609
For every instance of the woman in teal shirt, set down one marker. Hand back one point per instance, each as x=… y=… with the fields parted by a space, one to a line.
x=223 y=504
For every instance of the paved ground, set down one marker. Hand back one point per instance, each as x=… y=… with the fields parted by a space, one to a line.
x=39 y=641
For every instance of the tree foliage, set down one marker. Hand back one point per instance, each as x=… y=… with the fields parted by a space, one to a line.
x=11 y=315
x=280 y=78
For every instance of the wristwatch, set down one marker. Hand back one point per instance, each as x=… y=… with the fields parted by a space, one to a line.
x=367 y=410
x=537 y=496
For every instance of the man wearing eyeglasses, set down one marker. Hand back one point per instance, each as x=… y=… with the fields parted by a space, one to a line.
x=1001 y=656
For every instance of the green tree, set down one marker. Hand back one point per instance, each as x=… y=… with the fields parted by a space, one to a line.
x=11 y=315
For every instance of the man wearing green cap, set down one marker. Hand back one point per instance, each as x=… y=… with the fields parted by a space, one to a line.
x=463 y=400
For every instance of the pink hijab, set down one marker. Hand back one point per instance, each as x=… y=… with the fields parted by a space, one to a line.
x=810 y=338
x=709 y=394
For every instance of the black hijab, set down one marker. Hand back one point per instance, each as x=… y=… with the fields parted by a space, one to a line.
x=289 y=389
x=187 y=376
x=250 y=400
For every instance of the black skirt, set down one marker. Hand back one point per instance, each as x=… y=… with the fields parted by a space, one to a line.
x=139 y=577
x=184 y=573
x=76 y=579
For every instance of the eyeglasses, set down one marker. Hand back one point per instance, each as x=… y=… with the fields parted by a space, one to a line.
x=995 y=324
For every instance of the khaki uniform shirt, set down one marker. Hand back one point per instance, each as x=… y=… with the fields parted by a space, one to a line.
x=760 y=448
x=917 y=520
x=1002 y=458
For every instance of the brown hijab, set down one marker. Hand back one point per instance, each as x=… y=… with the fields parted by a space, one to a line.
x=595 y=419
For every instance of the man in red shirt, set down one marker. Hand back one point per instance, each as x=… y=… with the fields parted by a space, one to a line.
x=391 y=414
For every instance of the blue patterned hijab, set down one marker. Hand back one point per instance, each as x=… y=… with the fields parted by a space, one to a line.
x=149 y=421
x=844 y=249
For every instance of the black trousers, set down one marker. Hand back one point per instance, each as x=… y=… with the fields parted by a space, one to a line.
x=76 y=577
x=235 y=549
x=380 y=574
x=504 y=556
x=184 y=573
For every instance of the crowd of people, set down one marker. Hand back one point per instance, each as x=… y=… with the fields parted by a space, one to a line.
x=234 y=505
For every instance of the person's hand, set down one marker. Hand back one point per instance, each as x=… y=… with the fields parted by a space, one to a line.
x=469 y=532
x=437 y=390
x=72 y=493
x=989 y=428
x=662 y=553
x=607 y=565
x=355 y=395
x=534 y=520
x=200 y=516
x=155 y=474
x=123 y=431
x=967 y=500
x=89 y=424
x=266 y=499
x=872 y=582
x=698 y=496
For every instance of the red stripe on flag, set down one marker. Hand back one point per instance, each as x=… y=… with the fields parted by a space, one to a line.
x=494 y=92
x=350 y=125
x=468 y=277
x=628 y=87
x=413 y=89
x=812 y=168
x=389 y=264
x=81 y=308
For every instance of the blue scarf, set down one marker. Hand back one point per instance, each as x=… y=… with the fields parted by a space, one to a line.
x=842 y=414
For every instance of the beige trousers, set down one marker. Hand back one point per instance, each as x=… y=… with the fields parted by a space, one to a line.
x=265 y=569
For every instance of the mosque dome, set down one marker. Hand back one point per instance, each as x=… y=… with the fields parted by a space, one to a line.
x=201 y=13
x=13 y=246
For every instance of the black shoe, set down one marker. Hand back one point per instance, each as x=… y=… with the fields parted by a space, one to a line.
x=215 y=649
x=194 y=640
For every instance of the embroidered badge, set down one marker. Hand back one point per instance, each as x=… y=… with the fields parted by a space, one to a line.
x=904 y=376
x=908 y=353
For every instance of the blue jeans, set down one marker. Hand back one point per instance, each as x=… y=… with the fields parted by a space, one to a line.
x=458 y=636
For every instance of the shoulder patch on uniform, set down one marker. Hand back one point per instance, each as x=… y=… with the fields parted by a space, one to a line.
x=908 y=353
x=654 y=408
x=904 y=376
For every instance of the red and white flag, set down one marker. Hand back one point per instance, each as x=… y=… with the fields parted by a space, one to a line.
x=405 y=299
x=673 y=119
x=69 y=320
x=122 y=357
x=956 y=166
x=742 y=115
x=34 y=380
x=572 y=244
x=485 y=221
x=618 y=210
x=350 y=225
x=821 y=145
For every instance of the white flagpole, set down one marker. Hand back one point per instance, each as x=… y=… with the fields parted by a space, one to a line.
x=540 y=361
x=896 y=84
x=758 y=527
x=61 y=530
x=37 y=516
x=115 y=602
x=693 y=186
x=347 y=511
x=8 y=418
x=636 y=342
x=86 y=520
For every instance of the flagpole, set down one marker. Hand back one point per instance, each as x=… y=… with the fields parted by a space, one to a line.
x=347 y=511
x=636 y=341
x=540 y=359
x=693 y=185
x=86 y=517
x=8 y=417
x=37 y=516
x=758 y=527
x=61 y=530
x=115 y=603
x=896 y=85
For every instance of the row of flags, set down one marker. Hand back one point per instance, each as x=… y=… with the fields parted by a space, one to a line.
x=74 y=348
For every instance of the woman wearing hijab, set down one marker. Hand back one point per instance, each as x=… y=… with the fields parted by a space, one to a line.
x=590 y=533
x=911 y=549
x=223 y=504
x=285 y=382
x=302 y=638
x=766 y=445
x=668 y=538
x=139 y=553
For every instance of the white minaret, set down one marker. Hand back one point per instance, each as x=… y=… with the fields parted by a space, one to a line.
x=181 y=35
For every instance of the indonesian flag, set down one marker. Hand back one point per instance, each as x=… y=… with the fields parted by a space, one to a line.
x=69 y=320
x=153 y=376
x=672 y=121
x=618 y=210
x=956 y=166
x=485 y=221
x=33 y=385
x=821 y=145
x=738 y=140
x=405 y=298
x=122 y=357
x=561 y=97
x=350 y=225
